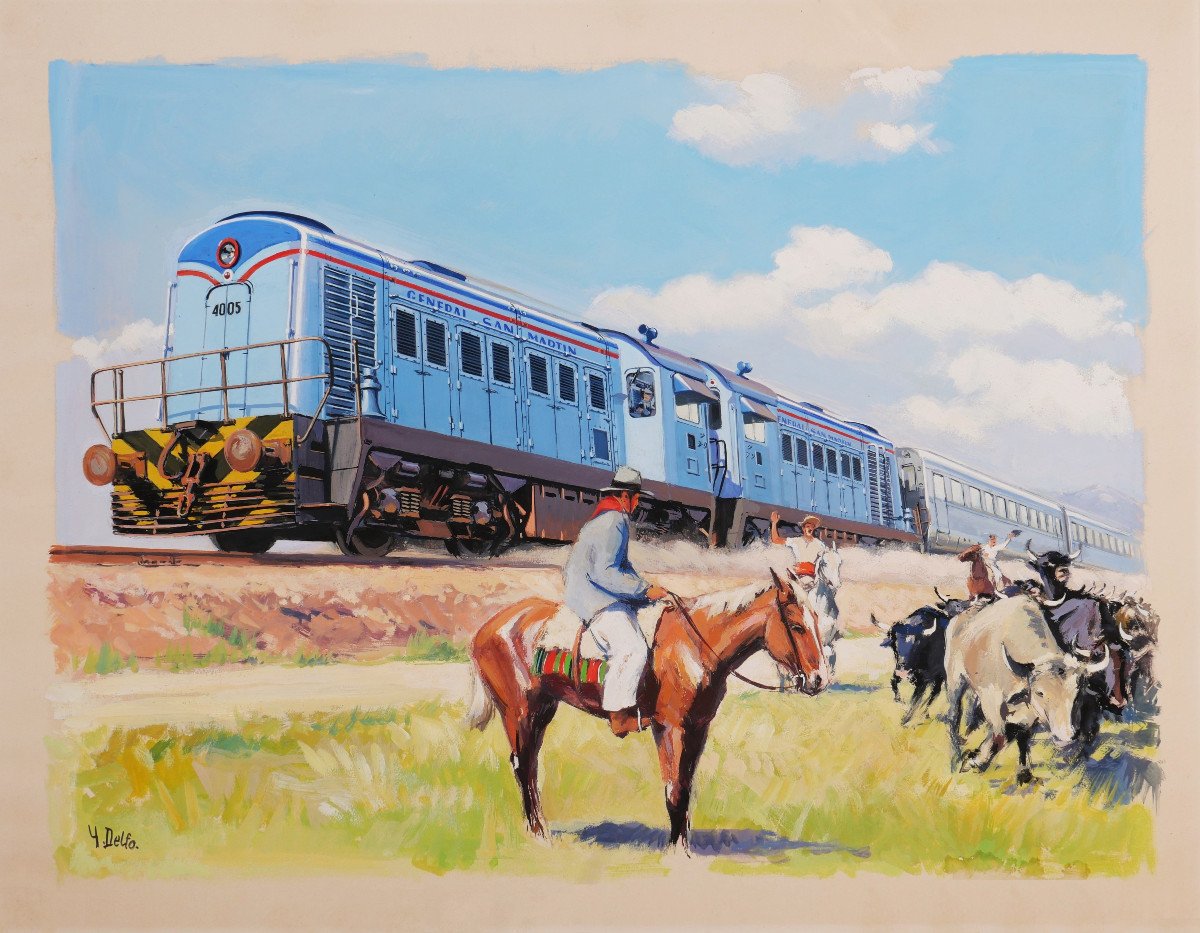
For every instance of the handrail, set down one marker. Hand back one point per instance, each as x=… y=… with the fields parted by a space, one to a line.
x=285 y=380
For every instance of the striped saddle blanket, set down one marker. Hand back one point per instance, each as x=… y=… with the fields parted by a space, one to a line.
x=554 y=648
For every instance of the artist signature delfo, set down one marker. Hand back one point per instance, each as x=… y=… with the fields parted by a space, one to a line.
x=111 y=839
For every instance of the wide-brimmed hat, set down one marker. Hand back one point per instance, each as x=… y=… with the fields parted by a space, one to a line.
x=626 y=479
x=810 y=520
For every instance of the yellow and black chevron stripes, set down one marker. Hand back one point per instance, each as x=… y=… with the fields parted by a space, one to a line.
x=222 y=498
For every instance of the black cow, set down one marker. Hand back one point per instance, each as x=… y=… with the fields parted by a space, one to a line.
x=918 y=644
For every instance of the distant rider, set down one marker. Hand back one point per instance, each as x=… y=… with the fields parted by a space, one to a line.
x=807 y=549
x=990 y=553
x=605 y=592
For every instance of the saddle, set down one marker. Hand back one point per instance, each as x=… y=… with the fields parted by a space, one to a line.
x=564 y=648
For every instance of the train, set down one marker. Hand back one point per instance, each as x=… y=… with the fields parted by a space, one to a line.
x=316 y=388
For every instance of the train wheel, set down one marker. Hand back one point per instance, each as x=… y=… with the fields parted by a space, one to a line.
x=473 y=547
x=366 y=542
x=248 y=541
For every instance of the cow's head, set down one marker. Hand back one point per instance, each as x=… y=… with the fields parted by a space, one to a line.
x=910 y=634
x=952 y=606
x=1054 y=568
x=1054 y=684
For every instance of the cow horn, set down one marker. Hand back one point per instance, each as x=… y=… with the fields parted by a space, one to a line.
x=932 y=628
x=1029 y=549
x=941 y=599
x=1125 y=636
x=1074 y=555
x=1097 y=666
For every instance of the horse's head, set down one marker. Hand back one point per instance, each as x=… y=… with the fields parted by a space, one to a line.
x=829 y=566
x=794 y=642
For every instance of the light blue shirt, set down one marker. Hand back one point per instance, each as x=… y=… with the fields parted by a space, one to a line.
x=598 y=573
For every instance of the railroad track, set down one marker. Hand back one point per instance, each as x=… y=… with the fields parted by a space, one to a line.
x=104 y=556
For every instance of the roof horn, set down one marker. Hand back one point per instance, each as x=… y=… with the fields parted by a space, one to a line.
x=648 y=332
x=743 y=368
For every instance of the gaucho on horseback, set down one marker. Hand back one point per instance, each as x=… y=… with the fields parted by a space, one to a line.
x=604 y=590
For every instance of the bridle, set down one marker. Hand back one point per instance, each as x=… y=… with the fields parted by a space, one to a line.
x=791 y=635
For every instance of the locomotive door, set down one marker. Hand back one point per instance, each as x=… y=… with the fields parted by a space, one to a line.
x=820 y=479
x=539 y=405
x=806 y=478
x=439 y=415
x=502 y=394
x=472 y=406
x=690 y=445
x=226 y=324
x=567 y=416
x=408 y=374
x=789 y=477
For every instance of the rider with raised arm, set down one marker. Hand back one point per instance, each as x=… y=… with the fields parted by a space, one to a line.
x=990 y=553
x=604 y=590
x=807 y=549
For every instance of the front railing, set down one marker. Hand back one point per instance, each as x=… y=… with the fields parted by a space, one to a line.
x=285 y=380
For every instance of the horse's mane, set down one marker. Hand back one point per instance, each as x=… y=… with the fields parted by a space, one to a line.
x=727 y=602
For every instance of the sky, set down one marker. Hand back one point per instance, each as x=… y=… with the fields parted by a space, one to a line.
x=952 y=255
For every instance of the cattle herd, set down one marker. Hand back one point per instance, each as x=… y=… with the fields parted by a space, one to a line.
x=1040 y=654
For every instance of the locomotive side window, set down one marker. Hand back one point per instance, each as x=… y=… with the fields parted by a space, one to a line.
x=1002 y=507
x=785 y=443
x=989 y=503
x=596 y=394
x=1022 y=514
x=688 y=411
x=501 y=364
x=406 y=333
x=755 y=430
x=600 y=444
x=471 y=351
x=539 y=374
x=435 y=343
x=801 y=451
x=856 y=463
x=956 y=492
x=566 y=383
x=975 y=499
x=639 y=388
x=939 y=486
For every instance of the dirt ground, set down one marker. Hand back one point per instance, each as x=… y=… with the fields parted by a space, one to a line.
x=374 y=611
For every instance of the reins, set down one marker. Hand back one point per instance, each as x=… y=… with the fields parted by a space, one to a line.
x=687 y=617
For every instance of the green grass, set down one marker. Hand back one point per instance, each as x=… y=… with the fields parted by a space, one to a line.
x=819 y=785
x=422 y=647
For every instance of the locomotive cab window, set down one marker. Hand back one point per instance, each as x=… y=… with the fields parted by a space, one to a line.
x=639 y=389
x=756 y=429
x=688 y=411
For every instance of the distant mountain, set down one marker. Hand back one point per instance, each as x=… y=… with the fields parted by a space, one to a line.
x=1107 y=504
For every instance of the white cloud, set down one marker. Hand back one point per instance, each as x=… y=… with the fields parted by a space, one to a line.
x=815 y=260
x=138 y=340
x=991 y=389
x=767 y=120
x=947 y=302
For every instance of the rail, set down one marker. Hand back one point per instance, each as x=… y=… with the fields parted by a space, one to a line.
x=119 y=399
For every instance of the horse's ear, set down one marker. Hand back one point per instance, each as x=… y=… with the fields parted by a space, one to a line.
x=793 y=575
x=779 y=584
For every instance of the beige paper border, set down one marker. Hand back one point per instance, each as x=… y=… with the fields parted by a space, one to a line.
x=730 y=40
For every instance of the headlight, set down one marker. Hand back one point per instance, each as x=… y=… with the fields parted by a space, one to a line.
x=243 y=450
x=99 y=465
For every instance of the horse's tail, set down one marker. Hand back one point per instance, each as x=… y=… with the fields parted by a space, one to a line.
x=482 y=707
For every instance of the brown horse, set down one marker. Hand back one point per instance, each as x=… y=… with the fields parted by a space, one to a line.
x=978 y=582
x=697 y=644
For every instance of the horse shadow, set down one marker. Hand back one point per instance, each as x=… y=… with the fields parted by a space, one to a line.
x=735 y=842
x=1120 y=777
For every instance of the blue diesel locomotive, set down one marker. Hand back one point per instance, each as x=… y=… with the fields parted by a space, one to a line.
x=315 y=388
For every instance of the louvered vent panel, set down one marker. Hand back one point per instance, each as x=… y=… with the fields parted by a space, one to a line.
x=349 y=309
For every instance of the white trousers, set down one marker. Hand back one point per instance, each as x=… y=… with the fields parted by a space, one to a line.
x=620 y=640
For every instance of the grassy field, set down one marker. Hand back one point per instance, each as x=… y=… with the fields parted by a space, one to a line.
x=805 y=786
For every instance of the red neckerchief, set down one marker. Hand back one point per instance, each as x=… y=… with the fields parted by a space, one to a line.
x=608 y=504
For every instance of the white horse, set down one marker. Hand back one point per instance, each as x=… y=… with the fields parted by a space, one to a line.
x=822 y=601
